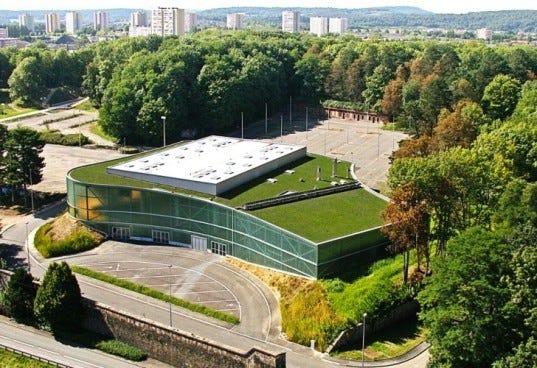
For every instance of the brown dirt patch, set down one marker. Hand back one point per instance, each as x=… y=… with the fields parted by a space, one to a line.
x=10 y=216
x=64 y=226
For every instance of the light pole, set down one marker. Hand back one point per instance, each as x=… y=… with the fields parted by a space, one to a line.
x=163 y=130
x=28 y=250
x=170 y=291
x=363 y=338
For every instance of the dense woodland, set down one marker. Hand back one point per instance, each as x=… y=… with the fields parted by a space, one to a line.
x=463 y=189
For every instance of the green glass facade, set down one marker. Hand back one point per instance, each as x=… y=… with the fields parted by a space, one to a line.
x=178 y=219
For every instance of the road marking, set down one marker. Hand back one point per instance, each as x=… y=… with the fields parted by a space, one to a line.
x=83 y=361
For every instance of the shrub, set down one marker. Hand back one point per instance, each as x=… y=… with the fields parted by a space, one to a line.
x=58 y=303
x=55 y=137
x=121 y=349
x=129 y=150
x=20 y=295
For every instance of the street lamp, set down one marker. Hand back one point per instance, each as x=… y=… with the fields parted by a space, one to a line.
x=28 y=250
x=163 y=130
x=170 y=291
x=363 y=338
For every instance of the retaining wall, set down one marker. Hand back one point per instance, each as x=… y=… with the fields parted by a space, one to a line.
x=353 y=335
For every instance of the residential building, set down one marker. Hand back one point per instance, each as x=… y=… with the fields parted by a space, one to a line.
x=290 y=21
x=484 y=34
x=168 y=21
x=338 y=25
x=139 y=19
x=4 y=33
x=100 y=20
x=235 y=21
x=319 y=25
x=26 y=20
x=52 y=22
x=191 y=22
x=73 y=22
x=139 y=31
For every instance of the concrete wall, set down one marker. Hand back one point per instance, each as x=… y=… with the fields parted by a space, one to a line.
x=171 y=345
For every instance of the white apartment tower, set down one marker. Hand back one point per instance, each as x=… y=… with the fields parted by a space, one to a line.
x=338 y=25
x=319 y=25
x=290 y=21
x=235 y=21
x=73 y=22
x=100 y=20
x=191 y=22
x=168 y=21
x=26 y=20
x=52 y=22
x=139 y=19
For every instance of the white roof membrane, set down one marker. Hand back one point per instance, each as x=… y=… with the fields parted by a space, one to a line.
x=210 y=165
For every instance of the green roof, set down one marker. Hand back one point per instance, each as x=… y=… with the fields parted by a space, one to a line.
x=317 y=219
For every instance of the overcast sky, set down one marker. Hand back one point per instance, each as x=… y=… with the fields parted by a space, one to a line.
x=446 y=6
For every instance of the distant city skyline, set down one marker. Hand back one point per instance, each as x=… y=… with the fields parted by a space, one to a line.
x=454 y=6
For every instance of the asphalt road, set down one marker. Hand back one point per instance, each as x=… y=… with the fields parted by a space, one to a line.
x=43 y=345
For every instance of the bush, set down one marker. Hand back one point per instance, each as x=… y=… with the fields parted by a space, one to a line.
x=78 y=241
x=20 y=295
x=55 y=137
x=58 y=303
x=121 y=349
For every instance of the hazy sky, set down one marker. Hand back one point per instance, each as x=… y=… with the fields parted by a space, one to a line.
x=446 y=6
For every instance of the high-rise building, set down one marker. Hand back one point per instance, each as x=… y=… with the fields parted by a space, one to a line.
x=235 y=21
x=4 y=33
x=100 y=20
x=191 y=22
x=139 y=19
x=319 y=25
x=168 y=21
x=337 y=25
x=52 y=22
x=290 y=21
x=73 y=22
x=26 y=20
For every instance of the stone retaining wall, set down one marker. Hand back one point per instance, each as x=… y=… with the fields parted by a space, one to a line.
x=171 y=345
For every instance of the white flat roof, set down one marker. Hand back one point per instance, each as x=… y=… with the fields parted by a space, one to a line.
x=210 y=160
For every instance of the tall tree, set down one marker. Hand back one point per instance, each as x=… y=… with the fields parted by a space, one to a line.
x=58 y=302
x=463 y=302
x=501 y=97
x=22 y=162
x=20 y=296
x=408 y=225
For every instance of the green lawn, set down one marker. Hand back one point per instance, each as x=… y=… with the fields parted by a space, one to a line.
x=346 y=213
x=13 y=360
x=304 y=178
x=7 y=111
x=389 y=343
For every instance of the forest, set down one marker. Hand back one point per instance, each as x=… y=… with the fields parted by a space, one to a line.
x=463 y=189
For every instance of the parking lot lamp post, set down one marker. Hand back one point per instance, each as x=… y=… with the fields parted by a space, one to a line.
x=28 y=250
x=170 y=292
x=163 y=130
x=363 y=339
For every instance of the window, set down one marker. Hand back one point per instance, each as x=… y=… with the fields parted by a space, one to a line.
x=218 y=248
x=162 y=237
x=121 y=232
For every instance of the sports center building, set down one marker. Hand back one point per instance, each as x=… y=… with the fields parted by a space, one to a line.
x=170 y=196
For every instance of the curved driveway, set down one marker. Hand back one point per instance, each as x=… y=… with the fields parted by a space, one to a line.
x=198 y=277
